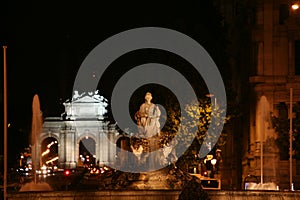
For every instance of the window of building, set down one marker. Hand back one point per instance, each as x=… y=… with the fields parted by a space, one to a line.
x=283 y=13
x=297 y=57
x=254 y=61
x=298 y=168
x=281 y=125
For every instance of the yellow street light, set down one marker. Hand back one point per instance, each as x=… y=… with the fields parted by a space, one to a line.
x=213 y=161
x=295 y=6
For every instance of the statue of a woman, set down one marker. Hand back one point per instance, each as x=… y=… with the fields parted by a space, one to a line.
x=148 y=118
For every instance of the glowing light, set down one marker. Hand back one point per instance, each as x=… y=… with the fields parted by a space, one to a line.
x=209 y=95
x=43 y=167
x=213 y=161
x=295 y=6
x=46 y=152
x=52 y=143
x=67 y=172
x=53 y=159
x=43 y=170
x=94 y=171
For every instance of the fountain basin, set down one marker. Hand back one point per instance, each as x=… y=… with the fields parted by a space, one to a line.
x=152 y=195
x=32 y=186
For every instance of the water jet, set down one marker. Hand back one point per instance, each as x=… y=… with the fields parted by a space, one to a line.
x=36 y=128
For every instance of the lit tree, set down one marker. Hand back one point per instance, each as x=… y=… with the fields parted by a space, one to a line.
x=192 y=128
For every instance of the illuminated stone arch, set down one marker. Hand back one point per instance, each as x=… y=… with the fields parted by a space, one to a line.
x=83 y=117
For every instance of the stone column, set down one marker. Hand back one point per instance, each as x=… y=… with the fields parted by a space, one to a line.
x=268 y=39
x=70 y=147
x=112 y=144
x=61 y=147
x=123 y=155
x=97 y=145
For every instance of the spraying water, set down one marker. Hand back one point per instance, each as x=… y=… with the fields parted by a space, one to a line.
x=36 y=128
x=263 y=124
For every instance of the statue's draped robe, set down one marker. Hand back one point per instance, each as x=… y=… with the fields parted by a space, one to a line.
x=149 y=120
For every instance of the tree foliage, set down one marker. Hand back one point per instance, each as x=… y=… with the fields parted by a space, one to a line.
x=281 y=124
x=192 y=128
x=193 y=190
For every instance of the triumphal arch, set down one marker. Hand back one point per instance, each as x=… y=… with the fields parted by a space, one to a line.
x=81 y=131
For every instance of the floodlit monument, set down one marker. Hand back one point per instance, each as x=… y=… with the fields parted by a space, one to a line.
x=142 y=161
x=82 y=123
x=145 y=162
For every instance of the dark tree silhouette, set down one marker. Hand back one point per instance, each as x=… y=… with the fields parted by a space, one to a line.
x=193 y=190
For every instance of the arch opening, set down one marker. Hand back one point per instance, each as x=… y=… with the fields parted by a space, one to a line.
x=49 y=152
x=87 y=152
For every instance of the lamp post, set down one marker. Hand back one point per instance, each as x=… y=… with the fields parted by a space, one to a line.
x=5 y=123
x=291 y=139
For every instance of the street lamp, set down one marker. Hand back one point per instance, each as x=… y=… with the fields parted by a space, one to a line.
x=21 y=160
x=295 y=6
x=213 y=162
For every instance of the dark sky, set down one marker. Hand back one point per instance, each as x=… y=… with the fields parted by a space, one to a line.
x=47 y=42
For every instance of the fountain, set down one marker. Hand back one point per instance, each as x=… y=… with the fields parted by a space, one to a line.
x=266 y=154
x=152 y=163
x=36 y=128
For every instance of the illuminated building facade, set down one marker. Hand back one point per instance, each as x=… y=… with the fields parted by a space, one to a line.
x=265 y=59
x=82 y=134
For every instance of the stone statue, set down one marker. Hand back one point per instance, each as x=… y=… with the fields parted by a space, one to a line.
x=97 y=96
x=137 y=151
x=147 y=118
x=169 y=153
x=76 y=95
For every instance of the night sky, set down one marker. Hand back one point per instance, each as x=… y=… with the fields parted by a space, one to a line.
x=47 y=42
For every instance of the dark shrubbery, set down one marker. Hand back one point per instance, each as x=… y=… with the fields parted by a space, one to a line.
x=192 y=190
